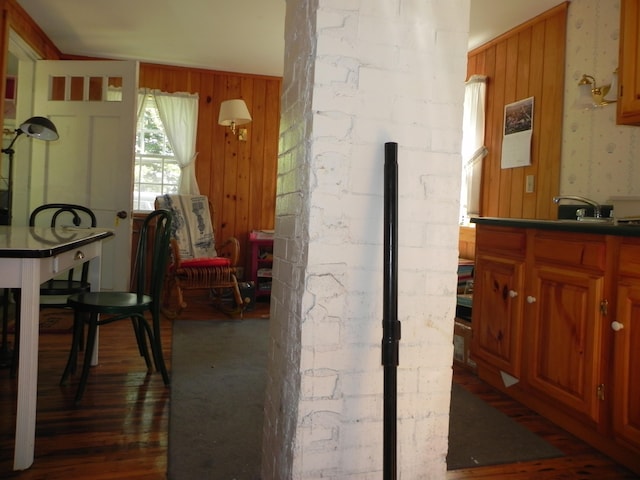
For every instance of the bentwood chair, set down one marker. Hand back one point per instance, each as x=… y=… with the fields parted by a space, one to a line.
x=101 y=308
x=66 y=215
x=54 y=292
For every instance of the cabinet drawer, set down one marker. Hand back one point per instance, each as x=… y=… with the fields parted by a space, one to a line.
x=570 y=251
x=629 y=259
x=501 y=240
x=62 y=262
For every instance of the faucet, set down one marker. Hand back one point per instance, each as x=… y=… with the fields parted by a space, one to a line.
x=597 y=213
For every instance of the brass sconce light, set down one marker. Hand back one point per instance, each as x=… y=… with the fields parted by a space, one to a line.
x=234 y=113
x=592 y=96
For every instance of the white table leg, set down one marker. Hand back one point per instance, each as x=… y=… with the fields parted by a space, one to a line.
x=27 y=364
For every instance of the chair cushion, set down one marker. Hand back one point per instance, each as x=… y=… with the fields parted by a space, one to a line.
x=206 y=262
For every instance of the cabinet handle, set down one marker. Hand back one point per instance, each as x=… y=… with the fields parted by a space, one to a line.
x=513 y=293
x=616 y=326
x=79 y=255
x=531 y=299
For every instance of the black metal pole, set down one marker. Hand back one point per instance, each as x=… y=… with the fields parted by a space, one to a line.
x=390 y=323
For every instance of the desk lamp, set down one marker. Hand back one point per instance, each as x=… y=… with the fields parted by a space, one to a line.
x=35 y=127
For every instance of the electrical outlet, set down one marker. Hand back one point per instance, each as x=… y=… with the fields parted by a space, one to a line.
x=531 y=184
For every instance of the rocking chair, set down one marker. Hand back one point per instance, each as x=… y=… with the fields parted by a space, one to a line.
x=197 y=263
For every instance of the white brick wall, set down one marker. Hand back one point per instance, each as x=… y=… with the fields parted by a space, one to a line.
x=360 y=73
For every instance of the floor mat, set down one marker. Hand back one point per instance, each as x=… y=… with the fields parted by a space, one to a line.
x=482 y=435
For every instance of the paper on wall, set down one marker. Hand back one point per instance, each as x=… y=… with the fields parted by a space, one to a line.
x=518 y=130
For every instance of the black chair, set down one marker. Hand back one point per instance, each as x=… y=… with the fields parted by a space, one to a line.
x=53 y=292
x=63 y=214
x=101 y=308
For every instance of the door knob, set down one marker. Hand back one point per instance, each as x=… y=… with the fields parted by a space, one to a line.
x=617 y=326
x=121 y=214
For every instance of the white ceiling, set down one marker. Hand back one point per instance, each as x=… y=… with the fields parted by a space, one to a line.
x=245 y=36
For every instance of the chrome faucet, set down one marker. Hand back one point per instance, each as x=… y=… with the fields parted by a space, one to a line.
x=597 y=212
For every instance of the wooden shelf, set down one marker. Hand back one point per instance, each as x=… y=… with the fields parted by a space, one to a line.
x=261 y=247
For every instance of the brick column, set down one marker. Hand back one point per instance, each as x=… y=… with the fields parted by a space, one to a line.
x=359 y=73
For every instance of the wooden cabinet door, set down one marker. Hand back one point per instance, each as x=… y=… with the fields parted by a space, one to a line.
x=628 y=112
x=626 y=371
x=497 y=312
x=564 y=330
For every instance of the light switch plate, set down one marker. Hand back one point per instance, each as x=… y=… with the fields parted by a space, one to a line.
x=531 y=184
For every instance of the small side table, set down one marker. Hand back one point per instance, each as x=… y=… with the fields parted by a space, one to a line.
x=261 y=245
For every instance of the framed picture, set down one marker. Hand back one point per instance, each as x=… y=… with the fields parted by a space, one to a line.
x=10 y=94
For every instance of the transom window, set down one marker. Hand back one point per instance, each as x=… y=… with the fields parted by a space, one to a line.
x=156 y=169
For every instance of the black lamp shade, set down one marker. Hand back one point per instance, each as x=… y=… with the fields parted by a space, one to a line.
x=40 y=127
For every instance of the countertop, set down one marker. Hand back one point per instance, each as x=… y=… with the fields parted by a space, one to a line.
x=574 y=226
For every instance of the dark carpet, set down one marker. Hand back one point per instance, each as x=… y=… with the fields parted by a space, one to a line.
x=482 y=435
x=217 y=397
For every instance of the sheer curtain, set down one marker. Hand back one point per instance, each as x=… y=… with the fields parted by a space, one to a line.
x=179 y=115
x=473 y=149
x=142 y=98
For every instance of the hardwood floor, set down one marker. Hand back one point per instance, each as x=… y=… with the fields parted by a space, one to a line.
x=120 y=429
x=581 y=461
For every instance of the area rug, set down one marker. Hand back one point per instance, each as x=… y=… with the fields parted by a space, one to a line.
x=481 y=435
x=52 y=321
x=216 y=411
x=217 y=396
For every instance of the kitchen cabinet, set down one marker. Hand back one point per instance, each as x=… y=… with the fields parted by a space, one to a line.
x=497 y=306
x=628 y=107
x=556 y=325
x=626 y=351
x=566 y=304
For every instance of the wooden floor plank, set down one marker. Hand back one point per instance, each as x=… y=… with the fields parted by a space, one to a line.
x=120 y=429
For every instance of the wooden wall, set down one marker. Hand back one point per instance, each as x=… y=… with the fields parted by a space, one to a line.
x=239 y=177
x=467 y=243
x=527 y=61
x=14 y=17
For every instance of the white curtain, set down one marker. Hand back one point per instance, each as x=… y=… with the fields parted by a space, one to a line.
x=142 y=98
x=179 y=115
x=473 y=149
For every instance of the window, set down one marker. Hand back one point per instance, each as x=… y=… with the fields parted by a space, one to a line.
x=156 y=168
x=473 y=149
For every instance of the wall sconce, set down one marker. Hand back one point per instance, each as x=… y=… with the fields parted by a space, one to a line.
x=233 y=113
x=592 y=96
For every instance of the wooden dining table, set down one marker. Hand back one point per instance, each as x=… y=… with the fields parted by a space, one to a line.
x=28 y=257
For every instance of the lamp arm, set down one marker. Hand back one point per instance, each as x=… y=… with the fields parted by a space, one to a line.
x=9 y=149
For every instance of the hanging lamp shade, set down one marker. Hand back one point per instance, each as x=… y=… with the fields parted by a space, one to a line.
x=585 y=97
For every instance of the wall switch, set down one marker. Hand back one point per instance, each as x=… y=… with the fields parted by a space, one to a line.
x=531 y=184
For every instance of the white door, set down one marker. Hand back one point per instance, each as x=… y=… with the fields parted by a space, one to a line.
x=93 y=106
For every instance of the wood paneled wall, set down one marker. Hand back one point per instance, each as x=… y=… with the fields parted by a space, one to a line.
x=14 y=17
x=527 y=61
x=239 y=177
